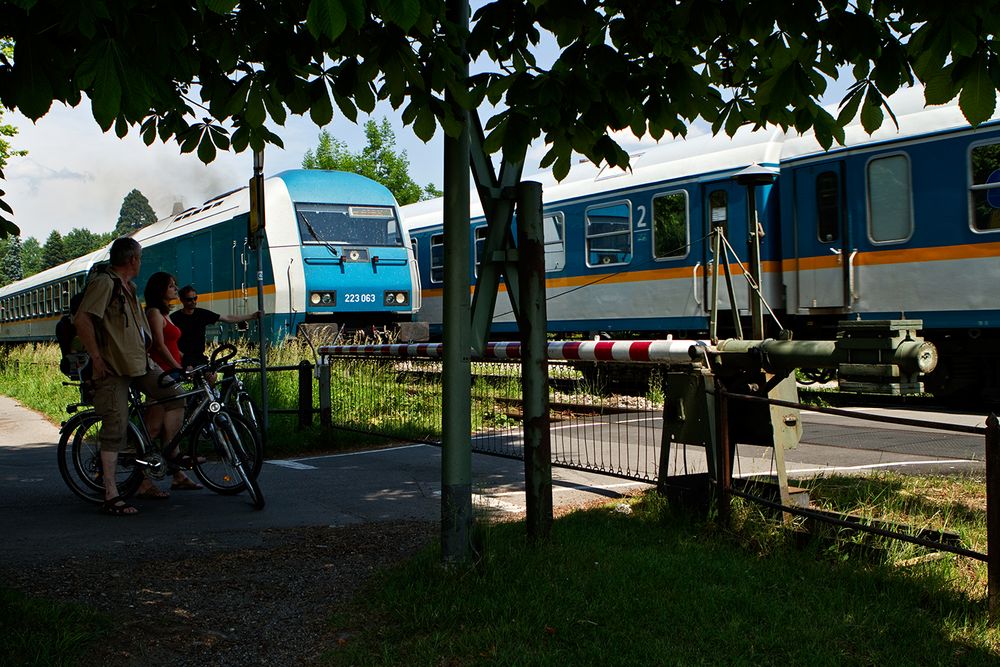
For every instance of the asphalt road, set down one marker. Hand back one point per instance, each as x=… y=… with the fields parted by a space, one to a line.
x=41 y=520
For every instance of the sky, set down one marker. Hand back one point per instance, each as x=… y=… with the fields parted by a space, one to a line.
x=76 y=176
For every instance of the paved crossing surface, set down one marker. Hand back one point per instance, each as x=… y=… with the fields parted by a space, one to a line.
x=41 y=520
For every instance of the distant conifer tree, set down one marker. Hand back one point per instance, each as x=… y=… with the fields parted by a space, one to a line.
x=54 y=251
x=135 y=214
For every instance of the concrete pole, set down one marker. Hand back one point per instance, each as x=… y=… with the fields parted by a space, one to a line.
x=456 y=450
x=534 y=361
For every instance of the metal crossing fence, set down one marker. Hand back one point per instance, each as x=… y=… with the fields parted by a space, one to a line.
x=591 y=428
x=395 y=390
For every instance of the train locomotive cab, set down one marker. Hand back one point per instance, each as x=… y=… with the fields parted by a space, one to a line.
x=357 y=266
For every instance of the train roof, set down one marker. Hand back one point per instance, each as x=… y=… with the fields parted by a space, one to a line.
x=302 y=185
x=80 y=265
x=704 y=156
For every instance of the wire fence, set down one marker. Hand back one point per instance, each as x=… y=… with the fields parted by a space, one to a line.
x=592 y=427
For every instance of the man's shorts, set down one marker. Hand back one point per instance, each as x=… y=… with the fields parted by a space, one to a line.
x=111 y=403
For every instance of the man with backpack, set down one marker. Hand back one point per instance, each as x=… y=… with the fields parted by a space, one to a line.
x=113 y=329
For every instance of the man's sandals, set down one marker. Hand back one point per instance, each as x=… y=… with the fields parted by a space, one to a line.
x=118 y=507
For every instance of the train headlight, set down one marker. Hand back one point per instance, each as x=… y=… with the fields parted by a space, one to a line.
x=323 y=298
x=400 y=298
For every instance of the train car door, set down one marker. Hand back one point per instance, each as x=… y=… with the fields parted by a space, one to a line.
x=725 y=203
x=821 y=236
x=202 y=263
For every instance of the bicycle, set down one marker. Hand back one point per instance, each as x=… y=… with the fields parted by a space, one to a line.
x=224 y=448
x=234 y=394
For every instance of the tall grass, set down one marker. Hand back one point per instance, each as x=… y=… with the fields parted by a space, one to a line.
x=367 y=397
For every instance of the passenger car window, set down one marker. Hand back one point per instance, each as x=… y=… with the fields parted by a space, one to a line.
x=437 y=258
x=889 y=214
x=828 y=207
x=670 y=225
x=984 y=191
x=480 y=245
x=609 y=235
x=555 y=242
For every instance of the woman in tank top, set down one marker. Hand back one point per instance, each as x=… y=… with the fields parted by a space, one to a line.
x=161 y=290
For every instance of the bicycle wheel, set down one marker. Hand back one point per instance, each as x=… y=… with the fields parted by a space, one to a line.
x=239 y=444
x=79 y=458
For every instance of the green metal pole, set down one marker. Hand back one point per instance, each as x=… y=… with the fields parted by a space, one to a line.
x=756 y=310
x=258 y=174
x=456 y=450
x=534 y=361
x=713 y=317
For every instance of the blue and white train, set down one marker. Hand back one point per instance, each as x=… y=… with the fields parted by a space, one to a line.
x=335 y=252
x=899 y=224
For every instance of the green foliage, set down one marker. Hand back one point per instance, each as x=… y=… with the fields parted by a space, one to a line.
x=54 y=251
x=135 y=214
x=7 y=151
x=31 y=257
x=10 y=260
x=378 y=160
x=79 y=242
x=648 y=67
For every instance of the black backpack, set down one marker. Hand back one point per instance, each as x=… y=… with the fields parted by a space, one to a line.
x=75 y=362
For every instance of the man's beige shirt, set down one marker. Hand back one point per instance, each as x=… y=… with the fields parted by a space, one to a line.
x=120 y=324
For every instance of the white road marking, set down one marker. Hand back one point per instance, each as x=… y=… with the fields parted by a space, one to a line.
x=366 y=451
x=495 y=503
x=294 y=465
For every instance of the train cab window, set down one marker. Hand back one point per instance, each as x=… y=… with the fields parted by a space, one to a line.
x=335 y=224
x=890 y=217
x=718 y=210
x=828 y=207
x=984 y=192
x=609 y=234
x=480 y=245
x=437 y=258
x=554 y=227
x=670 y=225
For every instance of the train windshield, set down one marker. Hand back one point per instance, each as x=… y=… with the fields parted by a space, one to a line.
x=351 y=225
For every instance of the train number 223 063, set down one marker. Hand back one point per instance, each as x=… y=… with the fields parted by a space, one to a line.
x=354 y=297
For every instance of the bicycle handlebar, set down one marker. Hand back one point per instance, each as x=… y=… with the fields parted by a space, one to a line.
x=220 y=357
x=223 y=354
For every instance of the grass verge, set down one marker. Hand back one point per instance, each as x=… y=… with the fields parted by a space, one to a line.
x=636 y=583
x=41 y=632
